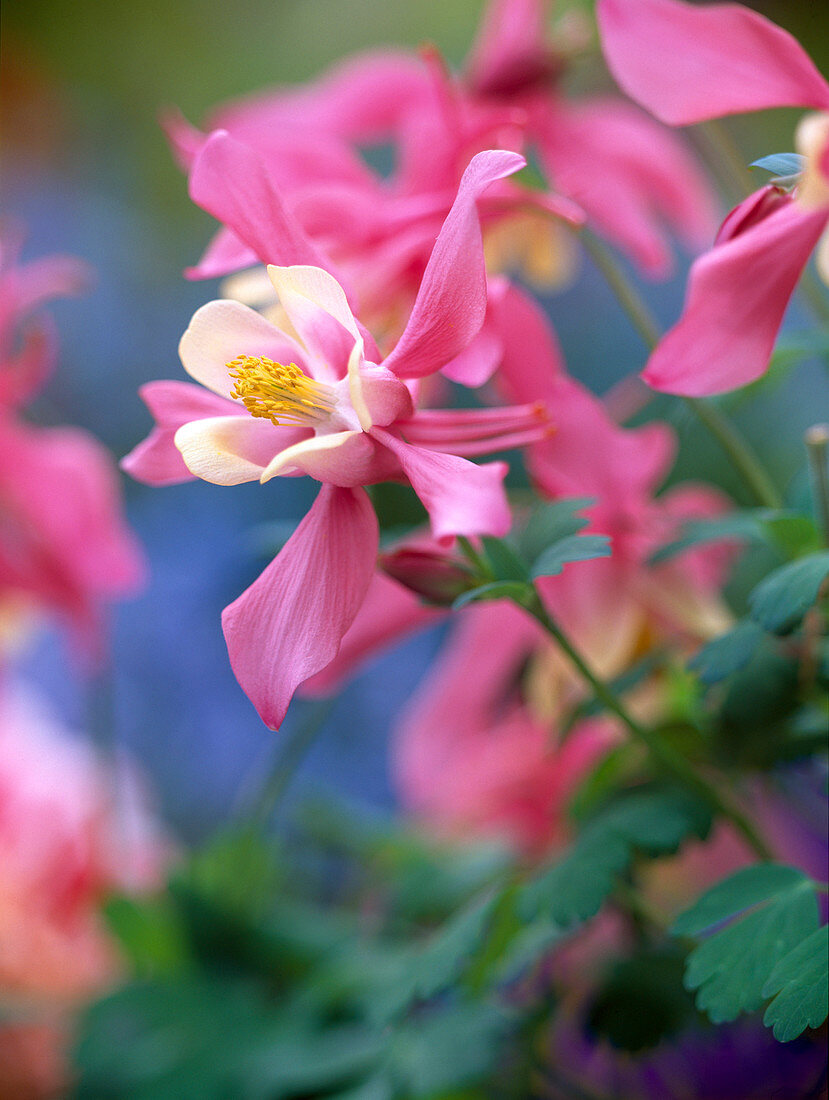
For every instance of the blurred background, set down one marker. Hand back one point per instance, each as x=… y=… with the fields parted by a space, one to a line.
x=86 y=170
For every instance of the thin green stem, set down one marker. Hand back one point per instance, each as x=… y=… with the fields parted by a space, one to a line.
x=476 y=560
x=745 y=461
x=817 y=448
x=290 y=757
x=661 y=751
x=738 y=450
x=628 y=297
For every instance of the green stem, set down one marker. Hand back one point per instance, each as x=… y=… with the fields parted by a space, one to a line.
x=660 y=750
x=745 y=461
x=817 y=448
x=738 y=450
x=628 y=297
x=290 y=757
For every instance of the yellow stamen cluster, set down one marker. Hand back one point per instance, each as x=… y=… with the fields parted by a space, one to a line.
x=279 y=393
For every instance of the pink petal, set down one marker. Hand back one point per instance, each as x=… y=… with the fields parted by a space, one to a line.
x=347 y=459
x=510 y=51
x=686 y=63
x=230 y=450
x=479 y=360
x=362 y=99
x=319 y=312
x=289 y=624
x=471 y=432
x=157 y=460
x=532 y=359
x=451 y=302
x=631 y=176
x=460 y=497
x=224 y=254
x=222 y=330
x=389 y=613
x=229 y=181
x=737 y=295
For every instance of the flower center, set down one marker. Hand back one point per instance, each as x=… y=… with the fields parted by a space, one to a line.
x=279 y=393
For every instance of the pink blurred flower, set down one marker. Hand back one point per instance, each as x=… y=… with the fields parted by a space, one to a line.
x=27 y=340
x=64 y=546
x=327 y=406
x=687 y=63
x=472 y=757
x=601 y=157
x=63 y=848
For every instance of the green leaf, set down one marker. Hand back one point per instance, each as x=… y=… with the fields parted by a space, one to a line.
x=728 y=653
x=506 y=563
x=781 y=164
x=550 y=523
x=745 y=526
x=780 y=601
x=653 y=822
x=150 y=933
x=799 y=984
x=498 y=590
x=571 y=549
x=730 y=969
x=794 y=533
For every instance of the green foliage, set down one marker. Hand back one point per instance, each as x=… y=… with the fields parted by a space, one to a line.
x=799 y=984
x=728 y=653
x=651 y=823
x=780 y=601
x=571 y=549
x=641 y=1000
x=548 y=541
x=769 y=948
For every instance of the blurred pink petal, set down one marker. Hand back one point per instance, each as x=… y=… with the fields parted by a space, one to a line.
x=632 y=177
x=289 y=624
x=229 y=181
x=737 y=295
x=63 y=541
x=686 y=63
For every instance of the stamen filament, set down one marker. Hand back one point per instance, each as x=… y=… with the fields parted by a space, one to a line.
x=278 y=392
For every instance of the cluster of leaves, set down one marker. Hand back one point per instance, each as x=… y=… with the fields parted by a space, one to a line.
x=765 y=680
x=549 y=540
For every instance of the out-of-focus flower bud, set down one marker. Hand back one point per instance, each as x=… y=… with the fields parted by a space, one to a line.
x=437 y=577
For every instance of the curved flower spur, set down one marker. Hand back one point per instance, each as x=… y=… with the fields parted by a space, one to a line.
x=316 y=400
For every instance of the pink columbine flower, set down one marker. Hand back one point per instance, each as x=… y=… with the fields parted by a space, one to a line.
x=687 y=63
x=630 y=176
x=64 y=845
x=473 y=757
x=321 y=402
x=613 y=607
x=27 y=340
x=64 y=546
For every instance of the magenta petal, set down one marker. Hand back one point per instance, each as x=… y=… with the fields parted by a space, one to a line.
x=686 y=63
x=737 y=295
x=157 y=460
x=389 y=612
x=510 y=51
x=225 y=254
x=229 y=181
x=460 y=497
x=289 y=624
x=451 y=303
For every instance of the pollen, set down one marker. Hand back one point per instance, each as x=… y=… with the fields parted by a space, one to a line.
x=281 y=393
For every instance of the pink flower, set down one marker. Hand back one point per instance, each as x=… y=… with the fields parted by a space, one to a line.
x=64 y=546
x=607 y=158
x=27 y=341
x=687 y=63
x=63 y=848
x=327 y=406
x=472 y=757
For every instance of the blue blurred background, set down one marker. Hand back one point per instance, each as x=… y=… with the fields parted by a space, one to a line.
x=87 y=171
